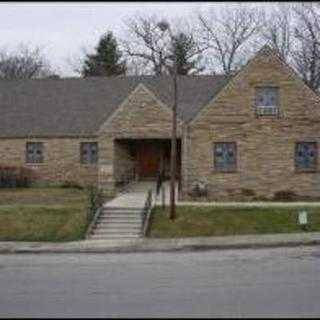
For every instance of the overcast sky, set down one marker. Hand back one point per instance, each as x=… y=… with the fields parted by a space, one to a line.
x=62 y=29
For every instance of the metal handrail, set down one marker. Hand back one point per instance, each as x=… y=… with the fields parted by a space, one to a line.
x=159 y=182
x=147 y=212
x=93 y=222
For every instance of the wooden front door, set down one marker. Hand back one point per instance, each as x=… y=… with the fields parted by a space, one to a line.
x=149 y=157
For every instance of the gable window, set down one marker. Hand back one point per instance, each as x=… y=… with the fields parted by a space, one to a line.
x=267 y=100
x=34 y=152
x=225 y=156
x=306 y=156
x=89 y=152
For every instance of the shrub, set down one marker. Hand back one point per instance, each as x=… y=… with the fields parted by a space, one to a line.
x=199 y=189
x=285 y=195
x=16 y=177
x=248 y=192
x=71 y=184
x=95 y=201
x=261 y=198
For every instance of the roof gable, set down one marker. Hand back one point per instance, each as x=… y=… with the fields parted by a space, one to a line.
x=140 y=111
x=267 y=55
x=75 y=106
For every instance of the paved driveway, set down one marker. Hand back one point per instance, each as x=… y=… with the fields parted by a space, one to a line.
x=265 y=282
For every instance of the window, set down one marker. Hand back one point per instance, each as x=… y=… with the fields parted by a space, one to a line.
x=267 y=100
x=225 y=156
x=306 y=156
x=34 y=152
x=89 y=152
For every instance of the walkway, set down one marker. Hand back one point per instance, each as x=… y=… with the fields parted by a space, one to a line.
x=135 y=196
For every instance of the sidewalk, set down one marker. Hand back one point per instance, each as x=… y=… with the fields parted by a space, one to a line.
x=156 y=245
x=262 y=204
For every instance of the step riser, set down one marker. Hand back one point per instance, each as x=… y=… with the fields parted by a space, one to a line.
x=122 y=213
x=121 y=218
x=110 y=227
x=122 y=209
x=118 y=224
x=114 y=239
x=117 y=229
x=117 y=220
x=115 y=236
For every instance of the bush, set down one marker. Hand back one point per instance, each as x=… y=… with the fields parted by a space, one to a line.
x=261 y=198
x=285 y=195
x=95 y=201
x=71 y=184
x=16 y=177
x=199 y=189
x=248 y=192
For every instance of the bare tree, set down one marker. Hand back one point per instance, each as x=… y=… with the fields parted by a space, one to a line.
x=76 y=60
x=24 y=63
x=306 y=53
x=138 y=67
x=228 y=33
x=151 y=44
x=279 y=30
x=147 y=41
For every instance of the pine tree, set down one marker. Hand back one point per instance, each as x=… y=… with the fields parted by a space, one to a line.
x=187 y=53
x=107 y=59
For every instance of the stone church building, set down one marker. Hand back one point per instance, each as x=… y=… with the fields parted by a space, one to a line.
x=257 y=131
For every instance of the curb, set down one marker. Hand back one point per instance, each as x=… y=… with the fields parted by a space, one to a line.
x=144 y=248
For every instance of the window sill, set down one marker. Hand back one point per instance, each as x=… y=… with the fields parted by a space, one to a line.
x=306 y=171
x=89 y=165
x=224 y=171
x=268 y=116
x=35 y=164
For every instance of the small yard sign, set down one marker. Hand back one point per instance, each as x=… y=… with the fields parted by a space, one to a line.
x=302 y=218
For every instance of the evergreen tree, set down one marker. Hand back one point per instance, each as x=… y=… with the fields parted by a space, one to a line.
x=188 y=54
x=107 y=59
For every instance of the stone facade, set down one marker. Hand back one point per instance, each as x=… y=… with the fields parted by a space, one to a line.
x=141 y=116
x=61 y=159
x=265 y=144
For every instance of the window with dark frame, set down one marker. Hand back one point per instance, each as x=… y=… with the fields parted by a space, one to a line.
x=267 y=100
x=225 y=156
x=34 y=152
x=306 y=156
x=89 y=152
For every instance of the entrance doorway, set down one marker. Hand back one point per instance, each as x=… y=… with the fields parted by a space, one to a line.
x=146 y=157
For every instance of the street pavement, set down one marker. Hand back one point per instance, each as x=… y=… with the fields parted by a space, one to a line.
x=278 y=282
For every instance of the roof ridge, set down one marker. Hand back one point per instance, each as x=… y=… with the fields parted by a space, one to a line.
x=213 y=76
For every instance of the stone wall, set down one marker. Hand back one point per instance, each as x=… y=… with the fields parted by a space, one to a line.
x=61 y=159
x=141 y=116
x=124 y=162
x=265 y=145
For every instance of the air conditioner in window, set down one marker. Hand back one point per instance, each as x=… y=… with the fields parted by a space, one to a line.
x=267 y=110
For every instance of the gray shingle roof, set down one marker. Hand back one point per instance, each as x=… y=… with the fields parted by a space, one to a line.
x=74 y=106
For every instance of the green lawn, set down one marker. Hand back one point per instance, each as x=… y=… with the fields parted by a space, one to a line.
x=210 y=221
x=42 y=214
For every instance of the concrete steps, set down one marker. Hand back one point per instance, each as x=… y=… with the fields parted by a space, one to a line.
x=118 y=223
